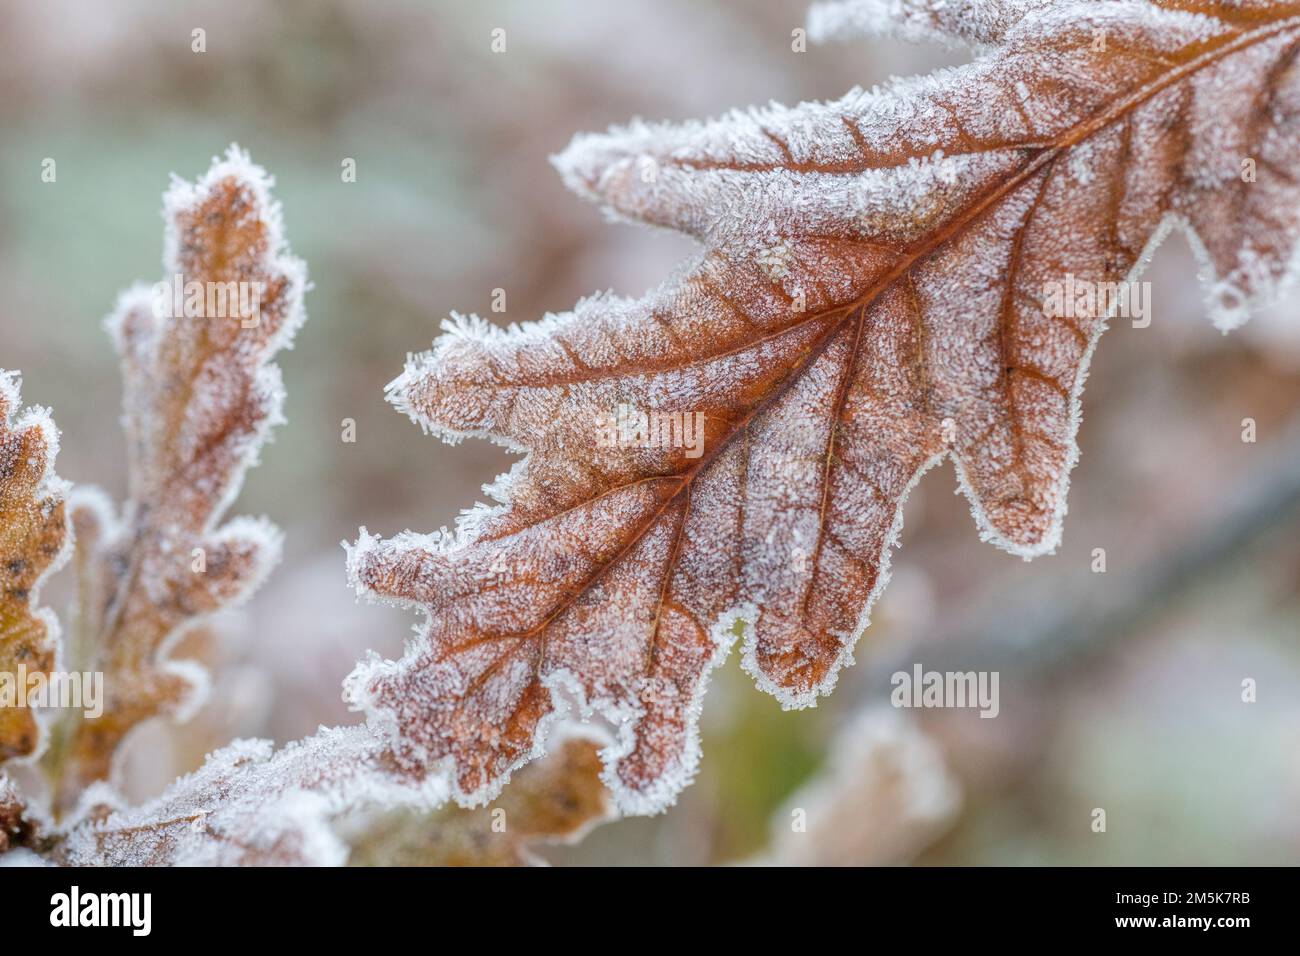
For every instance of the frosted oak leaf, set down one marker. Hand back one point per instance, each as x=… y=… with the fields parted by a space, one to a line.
x=555 y=800
x=917 y=227
x=33 y=543
x=336 y=798
x=201 y=397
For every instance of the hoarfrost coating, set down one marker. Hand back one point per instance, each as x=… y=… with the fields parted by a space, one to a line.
x=867 y=303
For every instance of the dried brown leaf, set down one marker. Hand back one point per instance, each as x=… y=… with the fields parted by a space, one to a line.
x=870 y=301
x=33 y=542
x=248 y=805
x=556 y=800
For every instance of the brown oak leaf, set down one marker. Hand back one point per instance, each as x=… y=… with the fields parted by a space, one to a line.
x=873 y=297
x=200 y=399
x=33 y=543
x=248 y=805
x=315 y=801
x=15 y=828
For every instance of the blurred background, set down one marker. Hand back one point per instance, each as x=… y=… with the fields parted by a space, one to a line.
x=1119 y=690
